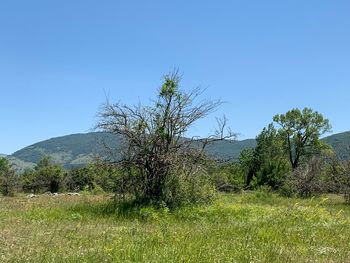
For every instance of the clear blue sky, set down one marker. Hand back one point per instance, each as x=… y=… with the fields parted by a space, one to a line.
x=59 y=58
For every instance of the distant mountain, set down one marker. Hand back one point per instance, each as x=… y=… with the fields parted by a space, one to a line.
x=17 y=164
x=230 y=149
x=71 y=150
x=78 y=149
x=341 y=144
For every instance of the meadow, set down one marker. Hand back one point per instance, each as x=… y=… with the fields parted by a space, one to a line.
x=245 y=227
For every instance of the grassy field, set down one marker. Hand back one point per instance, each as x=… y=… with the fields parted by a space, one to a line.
x=250 y=227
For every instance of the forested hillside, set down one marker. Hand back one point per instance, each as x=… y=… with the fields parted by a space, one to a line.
x=341 y=144
x=79 y=149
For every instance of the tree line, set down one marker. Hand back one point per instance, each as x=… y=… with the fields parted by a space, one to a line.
x=161 y=166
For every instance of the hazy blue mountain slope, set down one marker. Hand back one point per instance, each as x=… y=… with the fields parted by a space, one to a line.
x=79 y=149
x=19 y=165
x=341 y=144
x=230 y=149
x=70 y=150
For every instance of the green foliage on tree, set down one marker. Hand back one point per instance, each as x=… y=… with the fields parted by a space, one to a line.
x=227 y=177
x=250 y=165
x=108 y=177
x=346 y=180
x=273 y=165
x=95 y=175
x=301 y=131
x=79 y=179
x=266 y=164
x=30 y=182
x=46 y=176
x=279 y=152
x=8 y=178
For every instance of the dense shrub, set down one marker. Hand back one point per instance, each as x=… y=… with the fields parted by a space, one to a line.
x=266 y=164
x=306 y=180
x=79 y=179
x=273 y=173
x=181 y=189
x=8 y=178
x=46 y=176
x=228 y=177
x=346 y=181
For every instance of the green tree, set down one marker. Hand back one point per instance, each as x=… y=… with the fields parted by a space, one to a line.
x=50 y=174
x=249 y=163
x=271 y=157
x=267 y=162
x=8 y=178
x=79 y=179
x=227 y=177
x=301 y=131
x=107 y=176
x=46 y=176
x=30 y=182
x=346 y=181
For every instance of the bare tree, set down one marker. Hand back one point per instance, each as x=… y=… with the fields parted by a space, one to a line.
x=154 y=136
x=305 y=180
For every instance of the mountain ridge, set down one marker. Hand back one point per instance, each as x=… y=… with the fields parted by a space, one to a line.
x=340 y=143
x=76 y=150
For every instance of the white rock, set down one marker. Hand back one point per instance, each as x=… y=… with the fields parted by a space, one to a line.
x=73 y=194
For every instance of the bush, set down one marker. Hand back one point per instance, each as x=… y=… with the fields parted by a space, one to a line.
x=96 y=190
x=263 y=191
x=46 y=176
x=197 y=189
x=286 y=190
x=272 y=173
x=346 y=180
x=305 y=181
x=78 y=179
x=227 y=177
x=8 y=178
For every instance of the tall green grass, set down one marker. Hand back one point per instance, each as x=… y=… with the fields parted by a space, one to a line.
x=251 y=227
